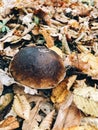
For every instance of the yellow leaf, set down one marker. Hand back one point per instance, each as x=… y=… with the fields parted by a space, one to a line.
x=57 y=50
x=47 y=37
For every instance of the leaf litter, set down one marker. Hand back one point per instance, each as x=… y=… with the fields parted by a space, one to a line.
x=68 y=27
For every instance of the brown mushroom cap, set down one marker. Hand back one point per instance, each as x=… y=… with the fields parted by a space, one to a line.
x=37 y=67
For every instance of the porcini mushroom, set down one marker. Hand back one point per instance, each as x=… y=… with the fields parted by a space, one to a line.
x=37 y=67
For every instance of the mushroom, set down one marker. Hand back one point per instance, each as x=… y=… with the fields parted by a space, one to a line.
x=37 y=67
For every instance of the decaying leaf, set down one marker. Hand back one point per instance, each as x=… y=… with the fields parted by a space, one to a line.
x=9 y=123
x=5 y=100
x=86 y=99
x=21 y=106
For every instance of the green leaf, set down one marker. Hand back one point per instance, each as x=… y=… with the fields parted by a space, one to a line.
x=36 y=20
x=3 y=29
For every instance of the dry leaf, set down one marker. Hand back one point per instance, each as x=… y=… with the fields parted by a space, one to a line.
x=21 y=106
x=5 y=78
x=1 y=88
x=47 y=37
x=9 y=123
x=61 y=91
x=73 y=116
x=86 y=62
x=57 y=50
x=32 y=122
x=10 y=51
x=91 y=121
x=47 y=121
x=86 y=99
x=5 y=100
x=62 y=113
x=85 y=127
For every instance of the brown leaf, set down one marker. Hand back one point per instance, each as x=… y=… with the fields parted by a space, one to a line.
x=61 y=91
x=73 y=116
x=9 y=123
x=49 y=40
x=62 y=113
x=86 y=62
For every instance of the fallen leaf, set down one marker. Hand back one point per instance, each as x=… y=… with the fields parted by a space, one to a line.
x=62 y=113
x=57 y=50
x=91 y=121
x=5 y=100
x=5 y=78
x=32 y=122
x=47 y=121
x=10 y=51
x=1 y=88
x=73 y=116
x=86 y=99
x=49 y=40
x=61 y=91
x=21 y=106
x=85 y=127
x=9 y=123
x=86 y=62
